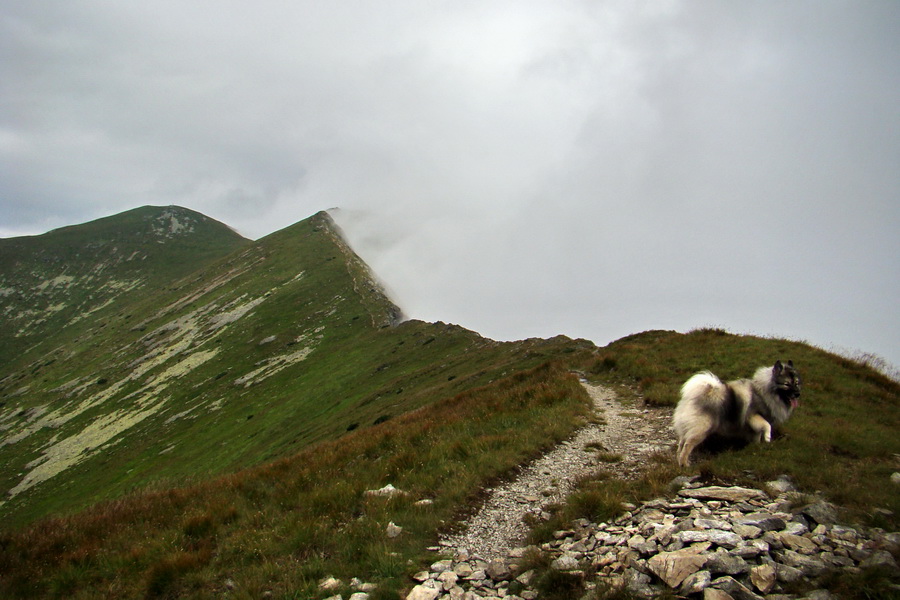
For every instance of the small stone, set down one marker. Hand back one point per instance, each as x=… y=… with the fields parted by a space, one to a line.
x=787 y=574
x=895 y=478
x=565 y=563
x=420 y=592
x=329 y=583
x=421 y=576
x=712 y=524
x=498 y=570
x=763 y=521
x=798 y=543
x=715 y=594
x=840 y=532
x=387 y=491
x=393 y=530
x=638 y=543
x=782 y=485
x=722 y=562
x=639 y=584
x=359 y=596
x=730 y=494
x=674 y=567
x=463 y=570
x=751 y=549
x=819 y=595
x=810 y=566
x=736 y=589
x=448 y=579
x=821 y=512
x=725 y=539
x=763 y=578
x=682 y=481
x=526 y=577
x=696 y=583
x=880 y=559
x=441 y=566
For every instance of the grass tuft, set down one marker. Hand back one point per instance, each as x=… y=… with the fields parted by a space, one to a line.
x=560 y=585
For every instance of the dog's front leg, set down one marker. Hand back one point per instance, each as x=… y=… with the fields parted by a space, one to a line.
x=761 y=427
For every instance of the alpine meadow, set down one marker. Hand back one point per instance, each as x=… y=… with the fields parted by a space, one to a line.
x=185 y=413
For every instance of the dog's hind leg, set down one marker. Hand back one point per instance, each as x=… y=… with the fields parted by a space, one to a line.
x=692 y=438
x=678 y=450
x=761 y=427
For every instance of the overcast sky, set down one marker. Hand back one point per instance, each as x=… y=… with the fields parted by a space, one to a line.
x=522 y=168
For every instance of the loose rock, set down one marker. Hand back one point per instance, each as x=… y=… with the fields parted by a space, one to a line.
x=730 y=494
x=674 y=567
x=740 y=548
x=763 y=578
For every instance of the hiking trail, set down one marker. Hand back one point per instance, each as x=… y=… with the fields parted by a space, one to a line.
x=628 y=432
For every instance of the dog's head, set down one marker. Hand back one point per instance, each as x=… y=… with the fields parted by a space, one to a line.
x=787 y=383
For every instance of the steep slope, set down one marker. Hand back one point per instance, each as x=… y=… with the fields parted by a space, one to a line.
x=284 y=343
x=56 y=280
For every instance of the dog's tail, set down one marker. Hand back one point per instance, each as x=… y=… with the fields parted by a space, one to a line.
x=703 y=387
x=698 y=412
x=702 y=393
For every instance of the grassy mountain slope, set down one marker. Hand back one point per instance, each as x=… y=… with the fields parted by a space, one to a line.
x=217 y=434
x=282 y=526
x=56 y=280
x=841 y=440
x=281 y=344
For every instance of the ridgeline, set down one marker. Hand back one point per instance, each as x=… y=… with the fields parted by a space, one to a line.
x=185 y=413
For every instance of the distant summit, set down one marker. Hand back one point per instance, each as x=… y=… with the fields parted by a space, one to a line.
x=52 y=280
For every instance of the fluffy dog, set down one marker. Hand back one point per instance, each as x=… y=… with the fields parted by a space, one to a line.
x=745 y=409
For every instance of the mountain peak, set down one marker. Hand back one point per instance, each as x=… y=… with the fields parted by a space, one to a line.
x=53 y=280
x=134 y=363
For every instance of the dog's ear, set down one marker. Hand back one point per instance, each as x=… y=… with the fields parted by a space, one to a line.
x=778 y=367
x=791 y=364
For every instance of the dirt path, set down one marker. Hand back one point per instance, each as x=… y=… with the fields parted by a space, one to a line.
x=630 y=433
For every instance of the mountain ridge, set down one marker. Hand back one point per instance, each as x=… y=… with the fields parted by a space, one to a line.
x=221 y=432
x=280 y=343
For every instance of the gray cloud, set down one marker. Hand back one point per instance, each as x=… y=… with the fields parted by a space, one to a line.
x=522 y=168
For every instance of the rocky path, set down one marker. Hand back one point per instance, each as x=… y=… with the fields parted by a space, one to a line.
x=709 y=542
x=627 y=434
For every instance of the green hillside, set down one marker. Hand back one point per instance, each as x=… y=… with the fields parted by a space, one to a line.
x=285 y=342
x=55 y=281
x=213 y=431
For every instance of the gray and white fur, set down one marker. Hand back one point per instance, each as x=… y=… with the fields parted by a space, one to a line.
x=745 y=409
